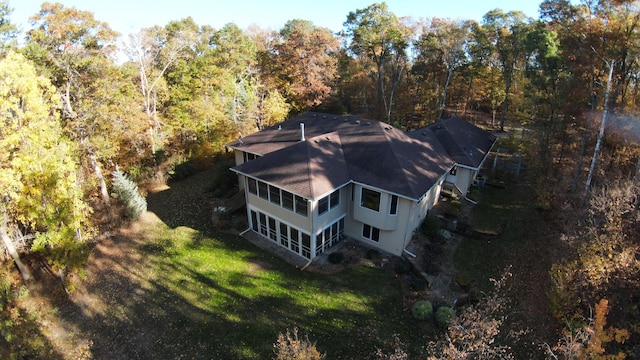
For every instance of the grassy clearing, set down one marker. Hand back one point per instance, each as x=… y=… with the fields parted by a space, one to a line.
x=220 y=297
x=508 y=211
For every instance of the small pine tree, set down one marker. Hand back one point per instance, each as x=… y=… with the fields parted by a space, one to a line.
x=127 y=192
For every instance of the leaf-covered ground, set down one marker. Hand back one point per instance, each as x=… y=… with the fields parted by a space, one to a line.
x=169 y=286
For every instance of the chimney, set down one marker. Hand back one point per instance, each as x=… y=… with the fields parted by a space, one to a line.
x=301 y=131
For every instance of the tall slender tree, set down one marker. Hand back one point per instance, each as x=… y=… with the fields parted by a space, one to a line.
x=505 y=34
x=377 y=34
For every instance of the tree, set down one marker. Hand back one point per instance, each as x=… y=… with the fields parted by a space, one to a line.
x=473 y=334
x=504 y=33
x=588 y=341
x=445 y=44
x=378 y=35
x=153 y=50
x=77 y=49
x=304 y=60
x=8 y=30
x=39 y=191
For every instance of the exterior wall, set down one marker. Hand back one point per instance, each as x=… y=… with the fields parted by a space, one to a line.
x=239 y=157
x=293 y=219
x=321 y=221
x=463 y=178
x=381 y=218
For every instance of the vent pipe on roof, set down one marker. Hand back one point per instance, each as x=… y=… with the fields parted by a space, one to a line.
x=301 y=131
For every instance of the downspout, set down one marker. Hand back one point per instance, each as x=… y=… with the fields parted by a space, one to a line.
x=464 y=196
x=409 y=253
x=305 y=265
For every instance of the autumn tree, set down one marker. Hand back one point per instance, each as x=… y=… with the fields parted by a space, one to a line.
x=376 y=34
x=38 y=171
x=504 y=34
x=153 y=50
x=603 y=262
x=475 y=332
x=78 y=51
x=305 y=62
x=443 y=48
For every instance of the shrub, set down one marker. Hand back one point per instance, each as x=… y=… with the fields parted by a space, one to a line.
x=290 y=347
x=126 y=191
x=445 y=316
x=430 y=225
x=335 y=257
x=422 y=310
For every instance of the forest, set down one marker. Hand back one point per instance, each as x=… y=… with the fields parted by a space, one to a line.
x=84 y=113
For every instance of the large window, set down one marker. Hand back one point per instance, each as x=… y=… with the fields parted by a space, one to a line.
x=280 y=197
x=274 y=194
x=329 y=202
x=370 y=232
x=370 y=199
x=301 y=206
x=287 y=200
x=252 y=186
x=263 y=191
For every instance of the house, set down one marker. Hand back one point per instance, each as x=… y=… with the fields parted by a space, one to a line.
x=316 y=178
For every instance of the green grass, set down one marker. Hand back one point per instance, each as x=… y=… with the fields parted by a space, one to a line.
x=220 y=297
x=509 y=211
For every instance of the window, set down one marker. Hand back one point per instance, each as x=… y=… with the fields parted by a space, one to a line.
x=295 y=241
x=252 y=186
x=323 y=205
x=262 y=190
x=284 y=235
x=273 y=235
x=263 y=224
x=274 y=194
x=453 y=171
x=334 y=199
x=287 y=200
x=254 y=221
x=329 y=202
x=370 y=232
x=301 y=206
x=249 y=156
x=370 y=199
x=394 y=205
x=306 y=246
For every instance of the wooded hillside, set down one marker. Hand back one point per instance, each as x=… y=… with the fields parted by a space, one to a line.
x=563 y=90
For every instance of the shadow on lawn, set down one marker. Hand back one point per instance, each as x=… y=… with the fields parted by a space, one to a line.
x=184 y=203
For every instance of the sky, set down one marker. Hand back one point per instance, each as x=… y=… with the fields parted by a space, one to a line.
x=129 y=16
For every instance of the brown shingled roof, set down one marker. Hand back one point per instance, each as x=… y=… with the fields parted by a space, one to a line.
x=340 y=149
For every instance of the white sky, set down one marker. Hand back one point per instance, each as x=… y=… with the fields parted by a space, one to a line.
x=129 y=16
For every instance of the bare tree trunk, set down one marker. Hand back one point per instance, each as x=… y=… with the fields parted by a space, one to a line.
x=601 y=133
x=444 y=93
x=104 y=192
x=8 y=243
